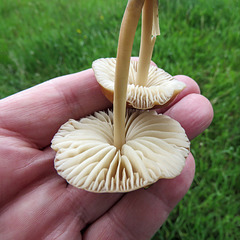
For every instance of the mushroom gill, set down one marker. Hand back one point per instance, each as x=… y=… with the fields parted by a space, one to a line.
x=160 y=89
x=156 y=147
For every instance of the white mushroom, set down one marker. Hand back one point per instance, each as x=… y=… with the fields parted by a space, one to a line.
x=148 y=86
x=156 y=147
x=123 y=150
x=160 y=89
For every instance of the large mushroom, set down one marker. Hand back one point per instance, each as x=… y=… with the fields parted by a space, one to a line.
x=123 y=150
x=156 y=147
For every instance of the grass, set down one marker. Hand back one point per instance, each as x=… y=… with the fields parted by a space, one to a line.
x=44 y=39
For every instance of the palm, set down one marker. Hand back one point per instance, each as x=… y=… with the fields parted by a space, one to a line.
x=36 y=203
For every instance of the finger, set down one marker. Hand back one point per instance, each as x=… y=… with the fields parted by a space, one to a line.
x=41 y=110
x=194 y=112
x=191 y=87
x=37 y=113
x=138 y=215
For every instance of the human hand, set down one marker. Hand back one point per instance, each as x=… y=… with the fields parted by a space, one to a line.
x=36 y=203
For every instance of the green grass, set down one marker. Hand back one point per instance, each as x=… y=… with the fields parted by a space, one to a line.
x=40 y=40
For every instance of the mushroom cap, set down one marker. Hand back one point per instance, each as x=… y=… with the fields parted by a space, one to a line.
x=156 y=147
x=160 y=90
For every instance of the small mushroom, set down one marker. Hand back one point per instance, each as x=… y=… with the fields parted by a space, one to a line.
x=121 y=150
x=161 y=88
x=148 y=86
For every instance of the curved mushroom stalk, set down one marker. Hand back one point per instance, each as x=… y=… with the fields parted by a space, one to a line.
x=156 y=147
x=160 y=89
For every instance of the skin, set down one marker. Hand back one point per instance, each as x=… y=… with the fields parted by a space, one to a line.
x=36 y=203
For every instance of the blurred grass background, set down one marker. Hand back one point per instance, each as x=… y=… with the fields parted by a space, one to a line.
x=40 y=40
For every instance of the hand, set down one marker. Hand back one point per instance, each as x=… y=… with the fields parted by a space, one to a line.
x=36 y=203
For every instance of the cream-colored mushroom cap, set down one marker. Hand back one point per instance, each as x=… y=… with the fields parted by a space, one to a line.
x=161 y=87
x=156 y=147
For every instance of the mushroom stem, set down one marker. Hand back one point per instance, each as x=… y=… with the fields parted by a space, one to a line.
x=125 y=43
x=148 y=38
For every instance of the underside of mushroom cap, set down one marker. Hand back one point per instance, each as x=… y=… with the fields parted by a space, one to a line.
x=156 y=147
x=160 y=90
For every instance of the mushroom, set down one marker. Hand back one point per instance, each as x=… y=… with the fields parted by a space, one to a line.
x=160 y=89
x=156 y=147
x=148 y=86
x=124 y=149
